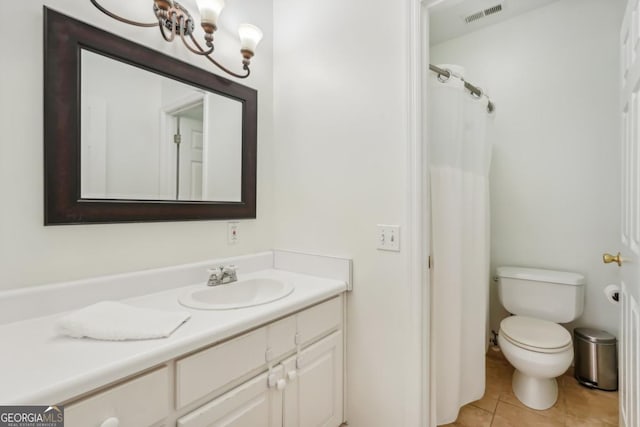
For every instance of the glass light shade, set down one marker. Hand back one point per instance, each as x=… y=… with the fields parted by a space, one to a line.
x=164 y=4
x=210 y=10
x=250 y=36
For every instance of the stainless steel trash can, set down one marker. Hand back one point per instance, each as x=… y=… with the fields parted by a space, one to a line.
x=596 y=361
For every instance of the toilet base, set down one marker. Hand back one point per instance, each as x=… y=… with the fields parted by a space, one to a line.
x=536 y=393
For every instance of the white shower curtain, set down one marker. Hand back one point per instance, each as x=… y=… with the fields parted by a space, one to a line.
x=460 y=157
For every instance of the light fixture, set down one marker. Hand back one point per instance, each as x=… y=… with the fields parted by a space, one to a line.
x=175 y=20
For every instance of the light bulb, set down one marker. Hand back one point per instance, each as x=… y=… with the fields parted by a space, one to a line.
x=250 y=36
x=209 y=11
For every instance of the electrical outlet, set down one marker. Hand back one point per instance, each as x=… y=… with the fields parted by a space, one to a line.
x=233 y=232
x=388 y=237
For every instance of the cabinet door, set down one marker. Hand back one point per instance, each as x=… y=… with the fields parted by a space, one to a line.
x=252 y=404
x=313 y=395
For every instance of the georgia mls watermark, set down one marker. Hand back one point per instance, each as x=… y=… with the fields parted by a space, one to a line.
x=31 y=416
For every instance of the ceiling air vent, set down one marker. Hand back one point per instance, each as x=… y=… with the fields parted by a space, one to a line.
x=482 y=13
x=474 y=17
x=493 y=9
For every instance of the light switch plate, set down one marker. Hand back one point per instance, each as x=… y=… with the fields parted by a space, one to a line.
x=388 y=237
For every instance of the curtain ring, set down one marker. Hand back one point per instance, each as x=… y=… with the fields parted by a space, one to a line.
x=442 y=78
x=490 y=107
x=478 y=95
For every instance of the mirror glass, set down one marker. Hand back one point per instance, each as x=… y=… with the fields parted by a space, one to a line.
x=145 y=136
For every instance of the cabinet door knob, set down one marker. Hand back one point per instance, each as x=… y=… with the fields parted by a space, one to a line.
x=281 y=384
x=292 y=375
x=272 y=381
x=110 y=422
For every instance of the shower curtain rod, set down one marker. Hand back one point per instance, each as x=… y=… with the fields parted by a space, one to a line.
x=476 y=91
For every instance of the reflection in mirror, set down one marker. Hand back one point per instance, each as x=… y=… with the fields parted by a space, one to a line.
x=148 y=137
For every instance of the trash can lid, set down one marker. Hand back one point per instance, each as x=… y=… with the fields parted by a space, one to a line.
x=595 y=335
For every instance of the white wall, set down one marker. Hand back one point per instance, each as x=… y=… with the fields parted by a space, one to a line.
x=341 y=126
x=32 y=254
x=553 y=74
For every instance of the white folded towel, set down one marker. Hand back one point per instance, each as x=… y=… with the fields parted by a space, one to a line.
x=114 y=321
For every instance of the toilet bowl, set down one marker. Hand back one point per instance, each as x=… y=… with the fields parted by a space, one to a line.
x=539 y=351
x=532 y=339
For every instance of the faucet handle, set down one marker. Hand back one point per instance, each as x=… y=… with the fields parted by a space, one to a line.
x=230 y=272
x=215 y=271
x=229 y=269
x=215 y=276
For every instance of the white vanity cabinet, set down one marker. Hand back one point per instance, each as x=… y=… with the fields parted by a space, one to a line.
x=304 y=389
x=287 y=373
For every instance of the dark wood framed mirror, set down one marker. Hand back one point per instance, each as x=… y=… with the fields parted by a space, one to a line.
x=109 y=158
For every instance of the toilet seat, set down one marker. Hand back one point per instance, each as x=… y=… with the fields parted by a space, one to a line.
x=536 y=335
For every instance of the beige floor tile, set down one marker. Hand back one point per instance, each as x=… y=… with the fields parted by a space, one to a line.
x=588 y=404
x=470 y=416
x=498 y=362
x=569 y=372
x=496 y=355
x=580 y=422
x=487 y=403
x=513 y=416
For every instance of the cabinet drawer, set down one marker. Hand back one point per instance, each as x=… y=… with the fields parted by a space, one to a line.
x=319 y=319
x=250 y=404
x=208 y=370
x=281 y=337
x=140 y=402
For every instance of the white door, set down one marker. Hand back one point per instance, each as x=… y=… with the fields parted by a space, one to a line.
x=190 y=175
x=252 y=404
x=629 y=348
x=313 y=395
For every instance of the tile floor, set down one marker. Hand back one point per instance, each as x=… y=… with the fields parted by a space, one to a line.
x=577 y=406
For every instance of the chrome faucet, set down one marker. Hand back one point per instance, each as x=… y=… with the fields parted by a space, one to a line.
x=222 y=275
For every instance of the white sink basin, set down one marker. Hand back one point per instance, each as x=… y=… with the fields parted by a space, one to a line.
x=243 y=293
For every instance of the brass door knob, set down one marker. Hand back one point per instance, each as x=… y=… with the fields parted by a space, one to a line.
x=608 y=258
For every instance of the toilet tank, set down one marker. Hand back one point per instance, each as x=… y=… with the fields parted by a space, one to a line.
x=557 y=296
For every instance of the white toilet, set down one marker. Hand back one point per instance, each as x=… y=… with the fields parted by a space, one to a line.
x=532 y=341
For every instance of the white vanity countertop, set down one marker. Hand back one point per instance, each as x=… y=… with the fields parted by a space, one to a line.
x=39 y=366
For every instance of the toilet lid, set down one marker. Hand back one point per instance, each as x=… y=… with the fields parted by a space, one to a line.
x=535 y=333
